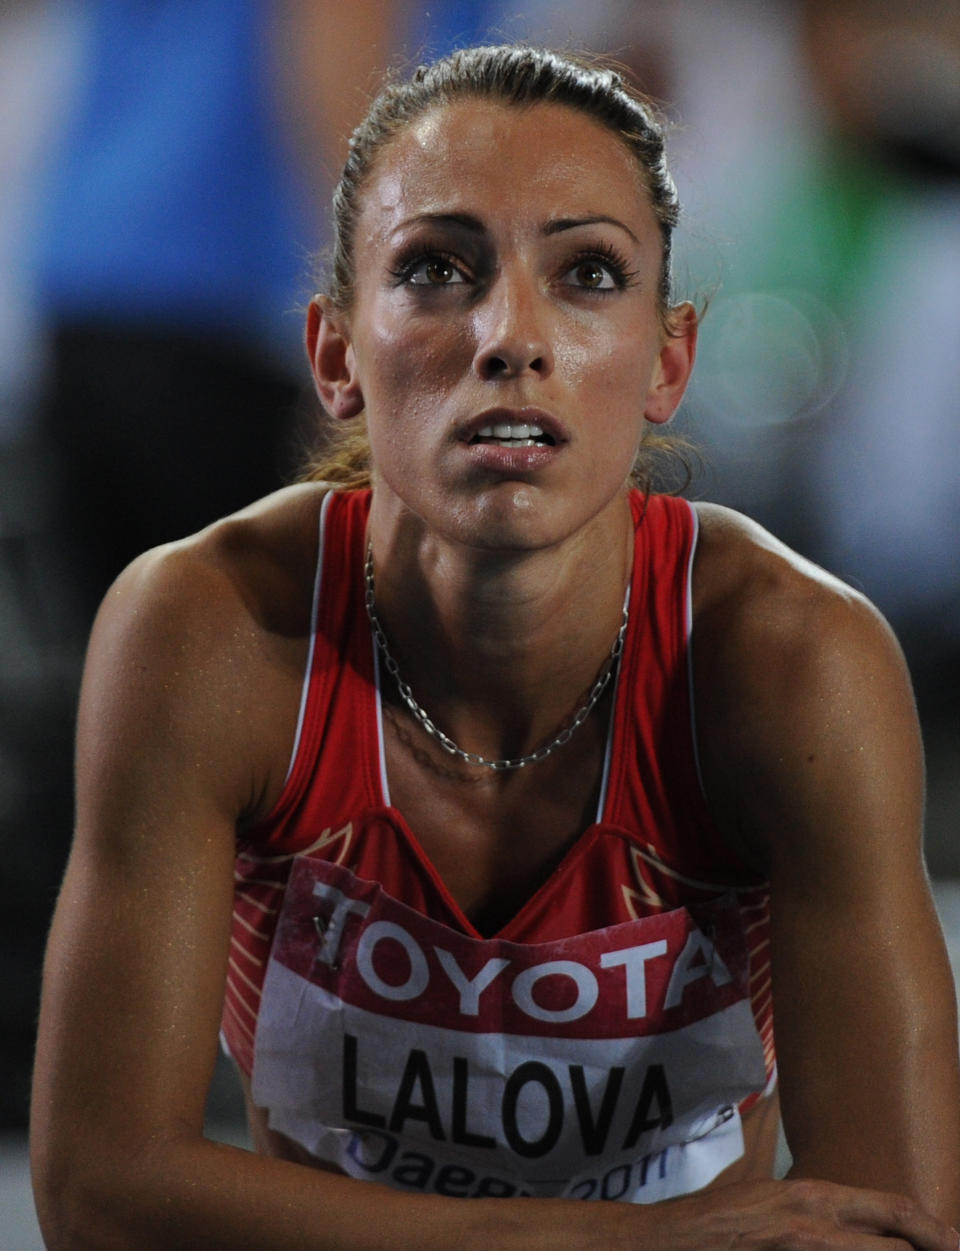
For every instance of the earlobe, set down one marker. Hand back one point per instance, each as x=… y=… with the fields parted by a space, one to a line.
x=674 y=363
x=332 y=359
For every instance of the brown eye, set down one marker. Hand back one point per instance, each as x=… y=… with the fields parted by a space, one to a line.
x=592 y=274
x=596 y=272
x=438 y=272
x=434 y=271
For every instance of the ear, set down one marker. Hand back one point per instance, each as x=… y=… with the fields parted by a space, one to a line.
x=332 y=359
x=674 y=363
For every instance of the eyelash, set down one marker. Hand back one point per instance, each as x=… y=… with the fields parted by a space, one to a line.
x=611 y=259
x=409 y=262
x=603 y=253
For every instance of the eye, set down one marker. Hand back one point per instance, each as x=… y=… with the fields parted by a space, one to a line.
x=592 y=273
x=432 y=271
x=600 y=267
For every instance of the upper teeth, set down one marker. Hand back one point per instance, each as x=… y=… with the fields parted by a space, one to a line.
x=509 y=430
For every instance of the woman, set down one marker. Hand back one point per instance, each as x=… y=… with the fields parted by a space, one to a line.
x=508 y=908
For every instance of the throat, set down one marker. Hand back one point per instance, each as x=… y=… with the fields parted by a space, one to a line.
x=437 y=751
x=477 y=758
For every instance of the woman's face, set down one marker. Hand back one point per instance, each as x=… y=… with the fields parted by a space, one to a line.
x=504 y=338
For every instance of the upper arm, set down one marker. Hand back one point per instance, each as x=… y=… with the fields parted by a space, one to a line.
x=135 y=967
x=813 y=747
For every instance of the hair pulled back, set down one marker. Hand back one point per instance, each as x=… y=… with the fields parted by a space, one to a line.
x=511 y=74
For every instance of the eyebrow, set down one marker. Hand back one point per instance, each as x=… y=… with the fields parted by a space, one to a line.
x=465 y=220
x=468 y=222
x=571 y=223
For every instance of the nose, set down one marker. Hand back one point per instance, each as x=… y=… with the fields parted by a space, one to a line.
x=513 y=339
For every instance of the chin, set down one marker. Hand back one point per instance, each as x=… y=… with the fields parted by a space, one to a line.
x=517 y=519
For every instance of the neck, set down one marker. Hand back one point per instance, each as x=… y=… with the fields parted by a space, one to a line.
x=502 y=649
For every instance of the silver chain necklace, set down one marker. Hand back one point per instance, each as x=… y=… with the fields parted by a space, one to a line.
x=447 y=743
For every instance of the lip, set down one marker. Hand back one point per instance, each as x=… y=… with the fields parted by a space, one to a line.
x=525 y=415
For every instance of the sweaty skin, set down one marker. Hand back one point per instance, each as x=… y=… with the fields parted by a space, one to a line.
x=500 y=578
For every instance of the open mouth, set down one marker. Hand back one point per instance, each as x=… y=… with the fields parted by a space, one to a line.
x=514 y=434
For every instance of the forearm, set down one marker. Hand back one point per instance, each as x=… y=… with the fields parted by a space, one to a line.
x=917 y=1157
x=195 y=1193
x=882 y=1108
x=199 y=1193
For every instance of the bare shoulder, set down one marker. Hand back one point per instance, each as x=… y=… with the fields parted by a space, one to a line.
x=804 y=703
x=256 y=563
x=751 y=589
x=208 y=637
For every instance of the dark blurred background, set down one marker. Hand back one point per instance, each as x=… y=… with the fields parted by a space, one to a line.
x=165 y=169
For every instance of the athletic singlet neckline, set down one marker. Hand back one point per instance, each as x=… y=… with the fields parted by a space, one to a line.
x=371 y=760
x=508 y=931
x=579 y=845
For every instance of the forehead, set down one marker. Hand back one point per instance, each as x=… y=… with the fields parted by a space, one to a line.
x=510 y=163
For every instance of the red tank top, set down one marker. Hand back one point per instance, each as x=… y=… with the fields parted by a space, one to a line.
x=603 y=1043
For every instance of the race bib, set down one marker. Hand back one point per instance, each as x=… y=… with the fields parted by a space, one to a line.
x=608 y=1065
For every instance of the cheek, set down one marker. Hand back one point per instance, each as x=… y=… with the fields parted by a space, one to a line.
x=406 y=379
x=614 y=365
x=612 y=376
x=406 y=364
